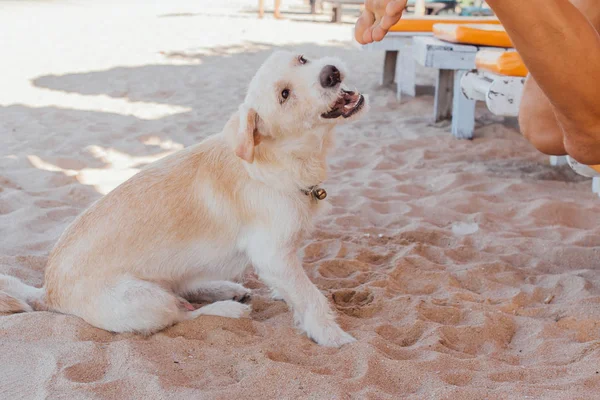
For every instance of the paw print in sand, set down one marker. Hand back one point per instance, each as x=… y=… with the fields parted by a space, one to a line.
x=356 y=303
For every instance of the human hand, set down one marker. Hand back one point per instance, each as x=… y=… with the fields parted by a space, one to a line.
x=377 y=19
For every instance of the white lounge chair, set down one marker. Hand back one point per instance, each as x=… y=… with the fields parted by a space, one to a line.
x=454 y=61
x=498 y=81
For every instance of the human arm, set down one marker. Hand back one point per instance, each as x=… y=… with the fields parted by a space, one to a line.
x=561 y=49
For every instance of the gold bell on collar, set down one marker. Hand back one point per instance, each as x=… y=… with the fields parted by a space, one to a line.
x=319 y=193
x=316 y=193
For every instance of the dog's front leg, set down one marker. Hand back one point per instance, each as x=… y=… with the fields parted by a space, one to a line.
x=283 y=272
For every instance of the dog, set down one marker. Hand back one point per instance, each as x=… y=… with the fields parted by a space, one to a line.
x=186 y=226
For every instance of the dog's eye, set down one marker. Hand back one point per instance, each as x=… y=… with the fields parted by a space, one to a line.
x=285 y=93
x=302 y=60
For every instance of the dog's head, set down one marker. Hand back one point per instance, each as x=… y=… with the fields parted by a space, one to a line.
x=291 y=95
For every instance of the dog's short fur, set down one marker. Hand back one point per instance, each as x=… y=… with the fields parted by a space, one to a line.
x=185 y=225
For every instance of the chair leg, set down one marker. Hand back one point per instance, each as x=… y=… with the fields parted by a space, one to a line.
x=406 y=77
x=463 y=115
x=557 y=161
x=389 y=67
x=444 y=92
x=337 y=13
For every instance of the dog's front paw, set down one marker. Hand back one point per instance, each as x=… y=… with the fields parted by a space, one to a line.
x=330 y=335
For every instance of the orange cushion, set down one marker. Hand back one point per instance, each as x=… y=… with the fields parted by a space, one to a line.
x=478 y=34
x=596 y=167
x=425 y=24
x=507 y=63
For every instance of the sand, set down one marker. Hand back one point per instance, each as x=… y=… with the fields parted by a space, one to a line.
x=466 y=269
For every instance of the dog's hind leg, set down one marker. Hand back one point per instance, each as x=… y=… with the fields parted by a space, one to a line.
x=133 y=305
x=202 y=291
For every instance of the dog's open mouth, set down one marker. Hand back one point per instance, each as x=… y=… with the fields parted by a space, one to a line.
x=347 y=104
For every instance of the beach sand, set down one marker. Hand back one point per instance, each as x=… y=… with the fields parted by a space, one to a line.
x=465 y=269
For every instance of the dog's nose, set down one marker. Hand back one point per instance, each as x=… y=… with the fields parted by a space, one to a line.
x=330 y=76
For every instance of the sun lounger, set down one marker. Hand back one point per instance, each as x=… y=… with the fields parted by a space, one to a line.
x=498 y=81
x=499 y=62
x=399 y=64
x=476 y=34
x=499 y=77
x=426 y=23
x=454 y=60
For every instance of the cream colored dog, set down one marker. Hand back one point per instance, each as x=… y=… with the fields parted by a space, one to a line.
x=183 y=226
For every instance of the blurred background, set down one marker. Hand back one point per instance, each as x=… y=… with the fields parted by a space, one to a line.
x=95 y=90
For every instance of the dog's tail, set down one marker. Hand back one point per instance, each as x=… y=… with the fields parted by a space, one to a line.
x=15 y=296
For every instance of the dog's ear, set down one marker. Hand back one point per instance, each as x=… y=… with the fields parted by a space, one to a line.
x=248 y=136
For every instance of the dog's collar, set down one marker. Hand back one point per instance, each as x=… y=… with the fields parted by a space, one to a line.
x=315 y=192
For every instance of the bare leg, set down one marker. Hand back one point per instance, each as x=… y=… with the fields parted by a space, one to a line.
x=565 y=65
x=277 y=12
x=538 y=122
x=537 y=117
x=261 y=8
